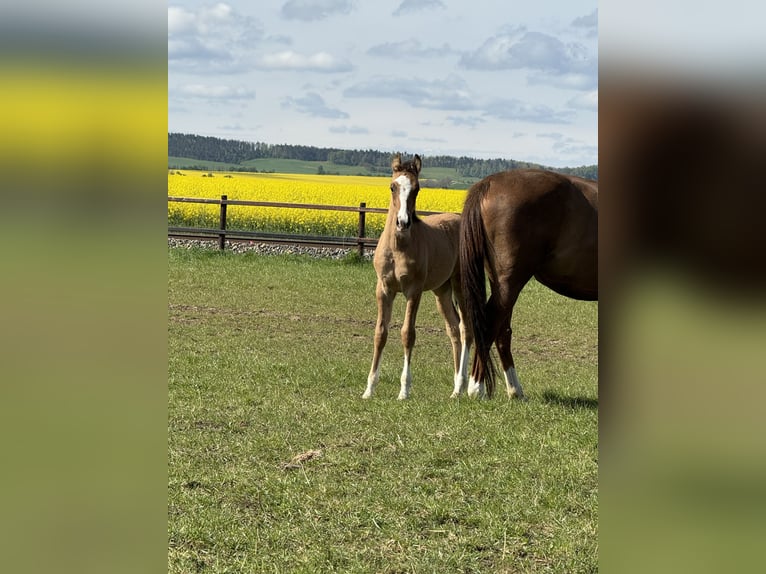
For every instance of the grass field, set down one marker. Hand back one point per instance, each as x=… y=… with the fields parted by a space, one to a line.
x=277 y=465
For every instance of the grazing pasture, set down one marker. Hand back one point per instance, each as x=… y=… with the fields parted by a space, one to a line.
x=277 y=465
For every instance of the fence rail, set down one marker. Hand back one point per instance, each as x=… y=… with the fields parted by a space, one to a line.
x=222 y=233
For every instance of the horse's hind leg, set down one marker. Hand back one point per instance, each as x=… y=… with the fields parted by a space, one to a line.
x=509 y=290
x=408 y=340
x=512 y=384
x=499 y=310
x=498 y=318
x=385 y=305
x=456 y=332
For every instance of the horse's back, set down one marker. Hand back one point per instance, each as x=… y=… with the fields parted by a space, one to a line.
x=521 y=187
x=444 y=230
x=544 y=224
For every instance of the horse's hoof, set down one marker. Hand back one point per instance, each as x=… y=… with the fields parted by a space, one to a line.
x=454 y=395
x=366 y=395
x=403 y=397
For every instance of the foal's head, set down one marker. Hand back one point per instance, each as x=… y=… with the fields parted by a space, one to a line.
x=404 y=190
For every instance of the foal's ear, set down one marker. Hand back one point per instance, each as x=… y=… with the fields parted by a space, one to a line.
x=396 y=165
x=417 y=162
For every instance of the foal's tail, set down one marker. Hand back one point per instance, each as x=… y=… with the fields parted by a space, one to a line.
x=473 y=253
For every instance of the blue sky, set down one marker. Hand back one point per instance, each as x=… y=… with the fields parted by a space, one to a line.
x=483 y=78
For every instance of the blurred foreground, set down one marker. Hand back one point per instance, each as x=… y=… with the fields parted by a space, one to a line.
x=683 y=307
x=83 y=291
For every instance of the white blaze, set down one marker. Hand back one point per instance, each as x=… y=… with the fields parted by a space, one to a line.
x=405 y=187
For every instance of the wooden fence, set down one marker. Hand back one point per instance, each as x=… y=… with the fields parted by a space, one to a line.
x=222 y=233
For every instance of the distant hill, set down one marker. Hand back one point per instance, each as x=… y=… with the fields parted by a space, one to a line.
x=233 y=155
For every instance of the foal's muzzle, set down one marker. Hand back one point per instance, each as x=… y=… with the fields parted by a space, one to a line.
x=403 y=224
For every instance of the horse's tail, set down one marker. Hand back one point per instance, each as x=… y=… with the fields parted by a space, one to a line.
x=473 y=253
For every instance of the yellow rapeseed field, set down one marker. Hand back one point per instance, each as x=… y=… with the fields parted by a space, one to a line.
x=293 y=188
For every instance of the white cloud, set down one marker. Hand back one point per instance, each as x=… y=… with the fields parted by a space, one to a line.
x=411 y=48
x=216 y=92
x=571 y=147
x=180 y=21
x=220 y=12
x=567 y=81
x=589 y=23
x=516 y=48
x=290 y=60
x=213 y=39
x=470 y=121
x=454 y=94
x=309 y=10
x=207 y=21
x=192 y=49
x=354 y=130
x=409 y=6
x=451 y=93
x=585 y=101
x=517 y=110
x=548 y=60
x=314 y=105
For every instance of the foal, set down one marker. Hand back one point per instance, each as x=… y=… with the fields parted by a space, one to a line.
x=413 y=255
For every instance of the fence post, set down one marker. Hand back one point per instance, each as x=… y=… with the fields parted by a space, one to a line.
x=222 y=236
x=361 y=231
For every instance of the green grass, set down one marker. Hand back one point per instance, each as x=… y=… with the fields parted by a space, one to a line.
x=187 y=163
x=268 y=358
x=302 y=166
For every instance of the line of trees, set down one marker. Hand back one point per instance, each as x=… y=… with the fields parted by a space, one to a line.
x=236 y=152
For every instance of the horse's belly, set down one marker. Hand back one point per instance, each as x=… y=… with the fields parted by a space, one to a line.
x=573 y=275
x=583 y=286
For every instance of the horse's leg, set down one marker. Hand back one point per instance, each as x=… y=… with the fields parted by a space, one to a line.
x=408 y=341
x=499 y=310
x=512 y=384
x=495 y=313
x=385 y=305
x=452 y=321
x=509 y=292
x=466 y=339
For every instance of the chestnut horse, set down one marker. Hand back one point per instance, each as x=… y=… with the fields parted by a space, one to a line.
x=521 y=224
x=416 y=254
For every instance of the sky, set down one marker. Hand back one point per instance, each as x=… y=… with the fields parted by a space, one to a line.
x=480 y=78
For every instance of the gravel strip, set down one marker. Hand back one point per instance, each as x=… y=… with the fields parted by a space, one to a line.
x=268 y=248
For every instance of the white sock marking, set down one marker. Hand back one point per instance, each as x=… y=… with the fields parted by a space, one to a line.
x=406 y=381
x=461 y=377
x=512 y=384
